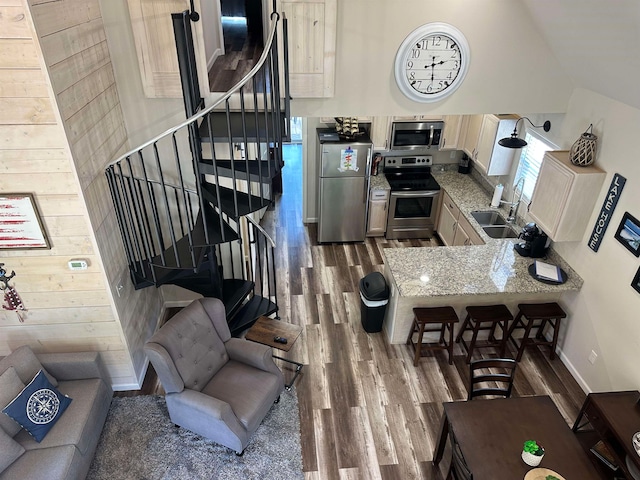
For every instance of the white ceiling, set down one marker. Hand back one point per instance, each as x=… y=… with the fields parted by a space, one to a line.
x=597 y=42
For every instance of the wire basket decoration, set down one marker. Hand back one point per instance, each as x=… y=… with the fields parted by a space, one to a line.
x=583 y=151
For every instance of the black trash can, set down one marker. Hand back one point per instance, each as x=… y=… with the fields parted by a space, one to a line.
x=374 y=297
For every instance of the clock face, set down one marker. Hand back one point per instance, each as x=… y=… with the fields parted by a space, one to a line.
x=432 y=62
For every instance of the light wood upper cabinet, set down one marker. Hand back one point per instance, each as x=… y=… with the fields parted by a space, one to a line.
x=418 y=118
x=156 y=47
x=312 y=46
x=472 y=134
x=564 y=196
x=380 y=131
x=451 y=137
x=481 y=142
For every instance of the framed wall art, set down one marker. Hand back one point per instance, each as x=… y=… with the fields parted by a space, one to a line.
x=628 y=233
x=636 y=282
x=20 y=224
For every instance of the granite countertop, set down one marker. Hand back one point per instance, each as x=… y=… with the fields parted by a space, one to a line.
x=470 y=270
x=379 y=182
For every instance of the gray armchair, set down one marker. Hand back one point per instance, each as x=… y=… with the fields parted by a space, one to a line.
x=217 y=386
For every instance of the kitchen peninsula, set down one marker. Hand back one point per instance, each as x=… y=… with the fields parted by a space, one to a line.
x=463 y=275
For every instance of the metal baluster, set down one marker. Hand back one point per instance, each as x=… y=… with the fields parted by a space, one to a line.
x=146 y=224
x=233 y=167
x=117 y=202
x=130 y=225
x=138 y=214
x=172 y=233
x=184 y=195
x=246 y=145
x=256 y=112
x=217 y=179
x=175 y=193
x=154 y=208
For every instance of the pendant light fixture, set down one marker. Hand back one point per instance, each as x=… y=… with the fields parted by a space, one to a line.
x=514 y=141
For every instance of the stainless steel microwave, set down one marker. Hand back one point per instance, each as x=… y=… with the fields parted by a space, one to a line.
x=415 y=135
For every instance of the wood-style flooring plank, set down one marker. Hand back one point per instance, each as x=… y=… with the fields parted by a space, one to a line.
x=365 y=411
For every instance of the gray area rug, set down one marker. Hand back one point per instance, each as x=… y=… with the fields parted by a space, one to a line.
x=139 y=441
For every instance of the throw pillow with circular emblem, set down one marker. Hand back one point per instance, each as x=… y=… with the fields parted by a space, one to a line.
x=38 y=407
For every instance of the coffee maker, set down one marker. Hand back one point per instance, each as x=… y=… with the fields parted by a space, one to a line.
x=535 y=242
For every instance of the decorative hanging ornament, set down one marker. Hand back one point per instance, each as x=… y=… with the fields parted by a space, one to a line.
x=583 y=151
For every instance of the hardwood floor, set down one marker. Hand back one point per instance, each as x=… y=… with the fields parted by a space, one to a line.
x=242 y=51
x=365 y=410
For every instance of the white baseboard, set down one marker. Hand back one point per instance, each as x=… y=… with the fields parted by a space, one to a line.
x=213 y=58
x=125 y=387
x=574 y=372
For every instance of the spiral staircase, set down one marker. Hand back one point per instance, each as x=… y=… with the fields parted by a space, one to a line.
x=188 y=201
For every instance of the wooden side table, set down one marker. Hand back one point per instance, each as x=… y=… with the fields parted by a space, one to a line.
x=614 y=418
x=266 y=329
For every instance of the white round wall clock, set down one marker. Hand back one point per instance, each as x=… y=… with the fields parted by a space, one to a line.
x=432 y=62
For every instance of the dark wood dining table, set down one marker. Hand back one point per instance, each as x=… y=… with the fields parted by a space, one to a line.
x=491 y=434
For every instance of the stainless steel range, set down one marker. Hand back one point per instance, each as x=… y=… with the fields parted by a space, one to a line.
x=414 y=199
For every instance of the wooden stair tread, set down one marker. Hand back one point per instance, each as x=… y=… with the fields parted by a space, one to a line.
x=246 y=203
x=220 y=129
x=262 y=171
x=250 y=312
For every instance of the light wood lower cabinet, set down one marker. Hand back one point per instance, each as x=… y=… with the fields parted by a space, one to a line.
x=453 y=227
x=448 y=220
x=378 y=209
x=564 y=196
x=465 y=233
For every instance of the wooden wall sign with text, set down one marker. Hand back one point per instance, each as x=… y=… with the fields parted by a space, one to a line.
x=606 y=212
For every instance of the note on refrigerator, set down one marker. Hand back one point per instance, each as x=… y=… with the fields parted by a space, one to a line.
x=348 y=160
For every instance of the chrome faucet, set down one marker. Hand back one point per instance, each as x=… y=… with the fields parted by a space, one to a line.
x=513 y=205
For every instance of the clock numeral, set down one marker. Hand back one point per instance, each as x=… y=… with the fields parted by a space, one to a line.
x=430 y=87
x=436 y=41
x=454 y=54
x=409 y=64
x=449 y=76
x=423 y=44
x=415 y=53
x=412 y=75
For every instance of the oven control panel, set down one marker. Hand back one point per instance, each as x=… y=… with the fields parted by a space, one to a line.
x=408 y=161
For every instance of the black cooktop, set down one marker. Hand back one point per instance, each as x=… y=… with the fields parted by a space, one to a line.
x=412 y=182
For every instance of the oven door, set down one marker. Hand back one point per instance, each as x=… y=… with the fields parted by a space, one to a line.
x=412 y=214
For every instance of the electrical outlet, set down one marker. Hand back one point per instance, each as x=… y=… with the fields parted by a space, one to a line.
x=593 y=357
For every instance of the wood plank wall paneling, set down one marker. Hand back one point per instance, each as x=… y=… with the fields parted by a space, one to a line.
x=73 y=41
x=66 y=311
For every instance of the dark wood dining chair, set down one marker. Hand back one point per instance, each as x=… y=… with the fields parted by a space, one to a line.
x=458 y=469
x=481 y=382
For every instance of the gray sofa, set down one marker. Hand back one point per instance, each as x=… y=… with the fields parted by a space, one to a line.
x=68 y=449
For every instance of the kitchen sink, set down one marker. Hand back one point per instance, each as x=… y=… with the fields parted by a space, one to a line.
x=500 y=231
x=488 y=217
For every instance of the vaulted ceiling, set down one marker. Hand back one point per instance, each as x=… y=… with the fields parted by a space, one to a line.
x=597 y=42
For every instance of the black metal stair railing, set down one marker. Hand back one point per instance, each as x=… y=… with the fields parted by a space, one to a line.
x=176 y=206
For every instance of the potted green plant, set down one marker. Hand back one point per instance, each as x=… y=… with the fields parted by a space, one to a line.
x=532 y=453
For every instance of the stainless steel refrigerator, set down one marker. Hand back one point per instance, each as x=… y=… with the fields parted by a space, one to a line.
x=343 y=188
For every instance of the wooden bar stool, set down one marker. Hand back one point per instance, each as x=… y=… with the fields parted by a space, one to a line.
x=477 y=319
x=439 y=319
x=544 y=312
